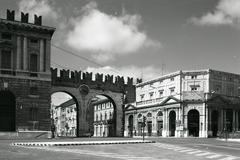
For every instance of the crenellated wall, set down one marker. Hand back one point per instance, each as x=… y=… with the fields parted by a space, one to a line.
x=75 y=79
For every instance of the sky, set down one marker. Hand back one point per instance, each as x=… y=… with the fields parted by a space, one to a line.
x=139 y=38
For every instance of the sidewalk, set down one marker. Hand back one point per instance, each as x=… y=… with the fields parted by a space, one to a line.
x=229 y=140
x=74 y=142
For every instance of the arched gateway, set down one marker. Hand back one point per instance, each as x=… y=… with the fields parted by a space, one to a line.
x=83 y=88
x=7 y=111
x=193 y=123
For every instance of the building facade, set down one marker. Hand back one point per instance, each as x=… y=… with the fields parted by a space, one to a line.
x=103 y=118
x=65 y=118
x=201 y=103
x=25 y=77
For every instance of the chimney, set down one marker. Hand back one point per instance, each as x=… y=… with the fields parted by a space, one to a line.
x=10 y=15
x=24 y=17
x=37 y=20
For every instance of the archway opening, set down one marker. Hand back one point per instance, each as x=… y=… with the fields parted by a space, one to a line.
x=139 y=126
x=7 y=111
x=172 y=123
x=229 y=120
x=64 y=109
x=214 y=123
x=159 y=123
x=193 y=123
x=101 y=116
x=149 y=124
x=130 y=125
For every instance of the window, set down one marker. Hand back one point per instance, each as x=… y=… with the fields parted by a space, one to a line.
x=193 y=88
x=100 y=116
x=105 y=116
x=6 y=59
x=194 y=77
x=230 y=91
x=172 y=90
x=149 y=115
x=151 y=95
x=96 y=117
x=6 y=36
x=140 y=115
x=160 y=114
x=160 y=93
x=110 y=115
x=33 y=113
x=142 y=97
x=218 y=88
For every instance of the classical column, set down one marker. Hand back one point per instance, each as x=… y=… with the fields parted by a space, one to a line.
x=18 y=59
x=48 y=56
x=209 y=119
x=237 y=122
x=224 y=119
x=41 y=59
x=25 y=54
x=234 y=120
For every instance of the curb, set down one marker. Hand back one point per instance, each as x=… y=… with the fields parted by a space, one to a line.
x=78 y=143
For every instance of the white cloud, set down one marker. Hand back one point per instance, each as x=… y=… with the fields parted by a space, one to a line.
x=107 y=36
x=38 y=7
x=145 y=73
x=227 y=12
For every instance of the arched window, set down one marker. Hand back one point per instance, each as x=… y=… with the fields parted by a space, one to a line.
x=96 y=117
x=149 y=115
x=110 y=115
x=100 y=116
x=105 y=115
x=160 y=114
x=139 y=115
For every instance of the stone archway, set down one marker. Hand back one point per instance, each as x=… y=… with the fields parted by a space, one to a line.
x=130 y=125
x=7 y=111
x=172 y=123
x=159 y=123
x=68 y=109
x=193 y=123
x=83 y=100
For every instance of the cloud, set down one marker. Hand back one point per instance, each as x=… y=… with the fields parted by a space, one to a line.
x=145 y=73
x=107 y=36
x=226 y=12
x=39 y=7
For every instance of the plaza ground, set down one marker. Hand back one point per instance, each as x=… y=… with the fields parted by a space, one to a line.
x=163 y=149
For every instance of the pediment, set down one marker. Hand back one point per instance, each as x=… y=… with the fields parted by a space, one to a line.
x=129 y=107
x=170 y=100
x=219 y=99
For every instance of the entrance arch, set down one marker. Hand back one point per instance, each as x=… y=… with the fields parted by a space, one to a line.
x=7 y=111
x=64 y=113
x=130 y=125
x=103 y=106
x=159 y=123
x=193 y=123
x=214 y=123
x=172 y=123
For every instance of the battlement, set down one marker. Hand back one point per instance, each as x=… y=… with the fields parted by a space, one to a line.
x=68 y=77
x=10 y=23
x=24 y=17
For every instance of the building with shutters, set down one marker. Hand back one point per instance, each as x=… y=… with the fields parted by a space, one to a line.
x=199 y=103
x=25 y=77
x=65 y=118
x=103 y=118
